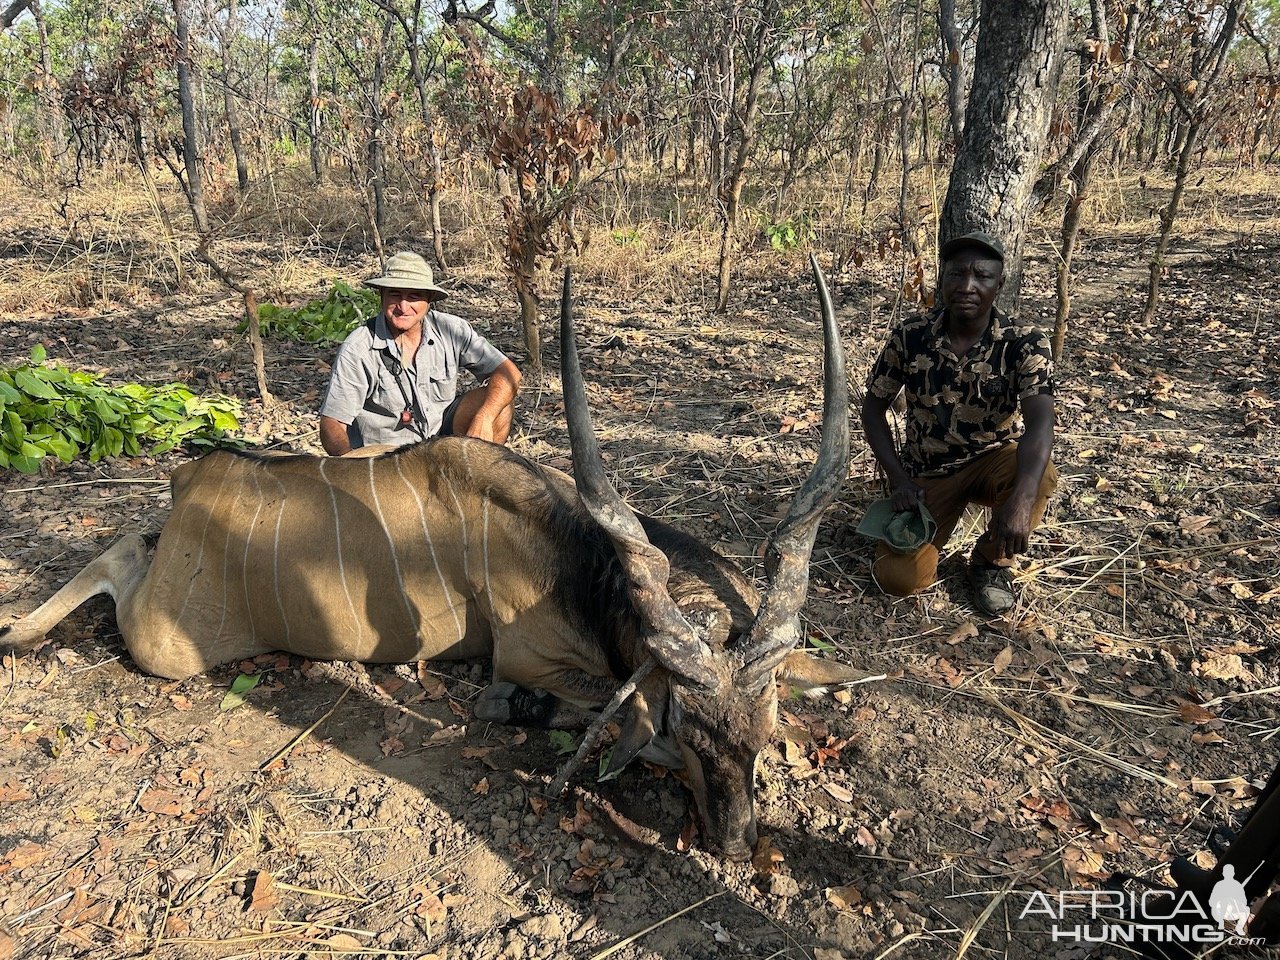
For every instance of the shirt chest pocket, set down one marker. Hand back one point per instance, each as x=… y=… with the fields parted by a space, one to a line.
x=386 y=397
x=439 y=380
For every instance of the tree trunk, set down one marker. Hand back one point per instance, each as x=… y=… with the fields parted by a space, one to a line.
x=229 y=99
x=375 y=153
x=1070 y=232
x=191 y=157
x=1015 y=82
x=730 y=186
x=529 y=309
x=954 y=70
x=51 y=129
x=1167 y=217
x=433 y=149
x=315 y=115
x=1208 y=66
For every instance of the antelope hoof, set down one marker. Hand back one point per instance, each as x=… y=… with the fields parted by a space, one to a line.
x=513 y=705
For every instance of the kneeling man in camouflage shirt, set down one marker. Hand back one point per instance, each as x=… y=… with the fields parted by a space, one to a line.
x=966 y=371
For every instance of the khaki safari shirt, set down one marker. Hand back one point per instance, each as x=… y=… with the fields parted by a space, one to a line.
x=960 y=407
x=363 y=391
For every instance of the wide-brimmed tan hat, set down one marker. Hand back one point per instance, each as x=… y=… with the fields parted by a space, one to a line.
x=408 y=271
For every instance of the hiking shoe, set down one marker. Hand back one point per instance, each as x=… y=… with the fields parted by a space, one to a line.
x=992 y=588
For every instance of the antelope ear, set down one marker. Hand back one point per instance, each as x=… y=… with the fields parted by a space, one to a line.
x=637 y=732
x=814 y=676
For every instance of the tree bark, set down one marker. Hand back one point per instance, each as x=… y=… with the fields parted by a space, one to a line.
x=1207 y=69
x=729 y=189
x=52 y=130
x=12 y=12
x=954 y=69
x=315 y=115
x=191 y=158
x=229 y=99
x=1015 y=80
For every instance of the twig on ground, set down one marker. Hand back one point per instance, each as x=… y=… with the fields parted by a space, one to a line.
x=644 y=836
x=593 y=732
x=279 y=754
x=654 y=926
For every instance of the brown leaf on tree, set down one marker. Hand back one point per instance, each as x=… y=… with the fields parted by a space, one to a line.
x=766 y=857
x=264 y=898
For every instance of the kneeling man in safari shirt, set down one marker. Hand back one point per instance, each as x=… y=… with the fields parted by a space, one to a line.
x=395 y=380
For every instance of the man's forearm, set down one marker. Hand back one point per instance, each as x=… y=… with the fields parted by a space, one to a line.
x=501 y=390
x=875 y=426
x=333 y=437
x=1035 y=446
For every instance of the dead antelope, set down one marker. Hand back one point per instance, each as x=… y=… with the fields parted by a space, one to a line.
x=460 y=548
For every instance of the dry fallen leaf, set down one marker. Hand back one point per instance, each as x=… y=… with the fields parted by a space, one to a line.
x=1229 y=667
x=842 y=794
x=264 y=898
x=24 y=854
x=13 y=792
x=481 y=788
x=966 y=631
x=844 y=898
x=1195 y=714
x=344 y=942
x=766 y=857
x=1003 y=659
x=162 y=801
x=1082 y=862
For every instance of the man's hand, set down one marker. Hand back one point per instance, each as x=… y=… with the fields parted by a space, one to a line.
x=481 y=427
x=1010 y=527
x=907 y=495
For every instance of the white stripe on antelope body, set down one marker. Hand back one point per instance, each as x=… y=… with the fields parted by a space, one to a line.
x=459 y=548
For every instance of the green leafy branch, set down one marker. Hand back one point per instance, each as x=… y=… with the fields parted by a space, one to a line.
x=53 y=411
x=327 y=320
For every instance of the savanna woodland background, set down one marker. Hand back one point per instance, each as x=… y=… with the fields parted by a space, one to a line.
x=186 y=188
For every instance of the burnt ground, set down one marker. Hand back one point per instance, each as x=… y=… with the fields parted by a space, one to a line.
x=1126 y=706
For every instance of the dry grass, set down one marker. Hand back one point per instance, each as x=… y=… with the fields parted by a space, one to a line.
x=644 y=236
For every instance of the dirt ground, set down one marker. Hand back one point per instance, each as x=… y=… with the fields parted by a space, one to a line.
x=1126 y=706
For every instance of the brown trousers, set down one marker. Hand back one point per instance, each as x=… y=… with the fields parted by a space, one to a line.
x=986 y=481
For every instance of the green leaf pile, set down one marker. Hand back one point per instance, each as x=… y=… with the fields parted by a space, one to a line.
x=50 y=410
x=327 y=320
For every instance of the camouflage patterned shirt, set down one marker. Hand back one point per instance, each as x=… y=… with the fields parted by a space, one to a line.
x=960 y=407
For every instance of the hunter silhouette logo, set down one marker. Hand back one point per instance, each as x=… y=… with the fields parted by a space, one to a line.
x=1228 y=901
